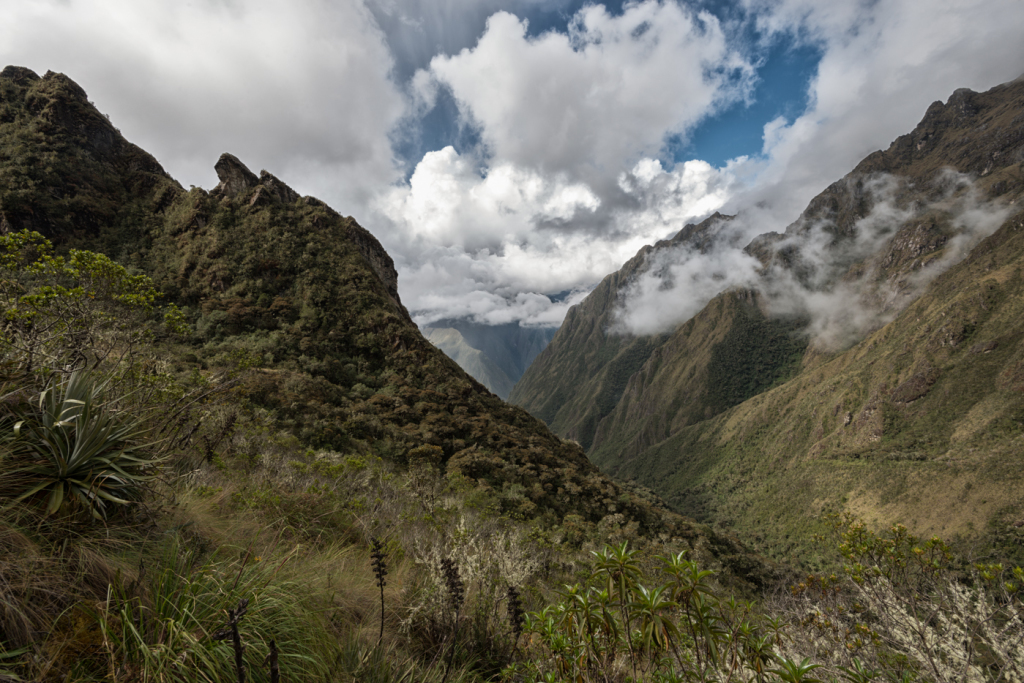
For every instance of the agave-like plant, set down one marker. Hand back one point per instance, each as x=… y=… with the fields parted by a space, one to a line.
x=77 y=448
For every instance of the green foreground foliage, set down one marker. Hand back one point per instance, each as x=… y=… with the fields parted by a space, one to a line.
x=282 y=478
x=901 y=609
x=144 y=512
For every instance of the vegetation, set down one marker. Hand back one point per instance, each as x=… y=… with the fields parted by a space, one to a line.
x=216 y=465
x=902 y=610
x=738 y=422
x=248 y=536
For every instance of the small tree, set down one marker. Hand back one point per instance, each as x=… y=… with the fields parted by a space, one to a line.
x=62 y=313
x=911 y=606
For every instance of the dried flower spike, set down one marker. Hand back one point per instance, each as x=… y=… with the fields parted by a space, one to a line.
x=380 y=570
x=515 y=612
x=453 y=583
x=378 y=556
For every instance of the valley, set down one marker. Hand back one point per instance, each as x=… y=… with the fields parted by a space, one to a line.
x=229 y=453
x=867 y=369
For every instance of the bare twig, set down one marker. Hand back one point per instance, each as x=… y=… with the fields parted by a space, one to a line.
x=235 y=616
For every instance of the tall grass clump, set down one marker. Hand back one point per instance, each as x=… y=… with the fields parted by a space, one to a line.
x=164 y=627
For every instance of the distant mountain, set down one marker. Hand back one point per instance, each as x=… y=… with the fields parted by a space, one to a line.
x=868 y=368
x=495 y=355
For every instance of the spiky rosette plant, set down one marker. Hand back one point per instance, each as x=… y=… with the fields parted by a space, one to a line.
x=75 y=448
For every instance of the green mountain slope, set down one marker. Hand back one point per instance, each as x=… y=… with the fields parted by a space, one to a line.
x=921 y=422
x=692 y=419
x=302 y=305
x=724 y=355
x=580 y=376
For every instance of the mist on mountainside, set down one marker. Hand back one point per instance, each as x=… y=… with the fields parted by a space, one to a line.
x=866 y=358
x=834 y=279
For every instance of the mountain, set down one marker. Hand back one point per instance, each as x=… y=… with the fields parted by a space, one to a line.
x=872 y=366
x=495 y=355
x=300 y=306
x=578 y=381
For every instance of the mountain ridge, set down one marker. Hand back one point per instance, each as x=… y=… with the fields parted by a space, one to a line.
x=871 y=243
x=300 y=304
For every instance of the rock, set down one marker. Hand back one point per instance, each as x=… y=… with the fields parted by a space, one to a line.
x=234 y=177
x=963 y=103
x=917 y=386
x=261 y=197
x=984 y=347
x=278 y=189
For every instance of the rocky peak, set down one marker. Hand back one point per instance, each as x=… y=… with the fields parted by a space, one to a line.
x=68 y=135
x=963 y=102
x=234 y=176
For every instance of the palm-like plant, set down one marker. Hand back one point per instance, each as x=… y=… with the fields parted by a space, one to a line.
x=76 y=448
x=793 y=672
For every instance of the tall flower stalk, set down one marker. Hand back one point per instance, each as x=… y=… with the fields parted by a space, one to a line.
x=380 y=570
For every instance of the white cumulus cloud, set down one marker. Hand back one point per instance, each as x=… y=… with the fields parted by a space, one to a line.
x=594 y=100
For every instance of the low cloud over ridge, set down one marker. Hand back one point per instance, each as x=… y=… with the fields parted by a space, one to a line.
x=834 y=283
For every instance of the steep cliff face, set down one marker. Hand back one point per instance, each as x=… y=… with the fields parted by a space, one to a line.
x=727 y=353
x=707 y=417
x=579 y=378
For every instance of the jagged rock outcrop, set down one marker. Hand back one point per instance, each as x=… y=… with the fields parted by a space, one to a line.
x=235 y=177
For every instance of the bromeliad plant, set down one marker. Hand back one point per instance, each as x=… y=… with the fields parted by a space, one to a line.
x=76 y=449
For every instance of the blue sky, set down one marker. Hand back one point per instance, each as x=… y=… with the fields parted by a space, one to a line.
x=784 y=69
x=781 y=90
x=508 y=151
